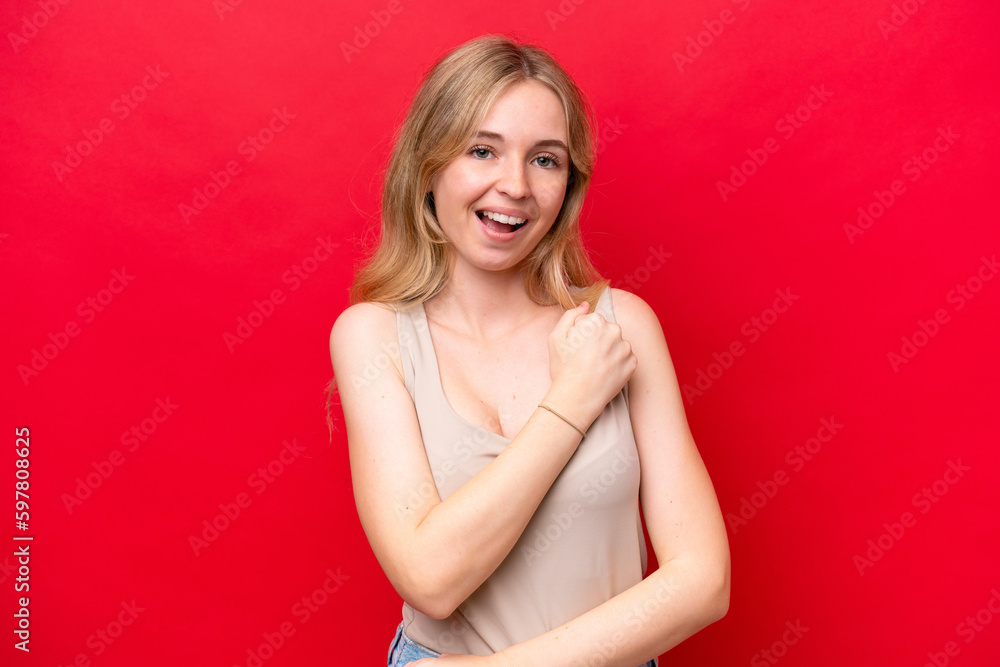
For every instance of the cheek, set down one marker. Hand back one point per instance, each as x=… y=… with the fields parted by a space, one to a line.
x=550 y=194
x=465 y=186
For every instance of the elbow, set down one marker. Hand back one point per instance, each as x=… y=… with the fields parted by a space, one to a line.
x=717 y=599
x=719 y=605
x=438 y=607
x=435 y=606
x=709 y=581
x=432 y=581
x=431 y=597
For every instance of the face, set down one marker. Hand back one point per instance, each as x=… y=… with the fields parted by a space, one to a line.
x=515 y=170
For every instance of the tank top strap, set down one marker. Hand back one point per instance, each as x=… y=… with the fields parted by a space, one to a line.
x=415 y=349
x=605 y=307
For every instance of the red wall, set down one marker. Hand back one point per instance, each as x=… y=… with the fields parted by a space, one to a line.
x=226 y=162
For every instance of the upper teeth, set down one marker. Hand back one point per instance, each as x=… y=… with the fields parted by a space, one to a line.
x=505 y=219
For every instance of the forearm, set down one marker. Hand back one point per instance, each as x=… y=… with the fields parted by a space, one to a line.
x=463 y=539
x=631 y=628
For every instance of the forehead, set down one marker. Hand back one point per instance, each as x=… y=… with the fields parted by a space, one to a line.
x=527 y=110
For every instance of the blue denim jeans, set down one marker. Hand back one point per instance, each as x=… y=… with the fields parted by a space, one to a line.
x=404 y=650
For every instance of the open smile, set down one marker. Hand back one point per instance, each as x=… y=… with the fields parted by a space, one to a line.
x=500 y=223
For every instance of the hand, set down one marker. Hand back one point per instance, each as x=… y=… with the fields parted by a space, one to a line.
x=589 y=363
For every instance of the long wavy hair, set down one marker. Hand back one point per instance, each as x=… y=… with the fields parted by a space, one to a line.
x=410 y=261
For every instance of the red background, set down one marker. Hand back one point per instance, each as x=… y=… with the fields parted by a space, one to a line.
x=671 y=133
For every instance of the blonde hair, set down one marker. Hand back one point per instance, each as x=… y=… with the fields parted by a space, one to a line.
x=410 y=262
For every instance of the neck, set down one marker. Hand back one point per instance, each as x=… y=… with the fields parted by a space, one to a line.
x=484 y=305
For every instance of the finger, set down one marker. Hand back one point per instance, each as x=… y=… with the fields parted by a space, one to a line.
x=569 y=318
x=588 y=324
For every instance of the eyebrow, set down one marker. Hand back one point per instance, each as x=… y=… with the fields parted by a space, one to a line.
x=550 y=143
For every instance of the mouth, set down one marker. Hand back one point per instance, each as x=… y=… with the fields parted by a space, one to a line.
x=499 y=223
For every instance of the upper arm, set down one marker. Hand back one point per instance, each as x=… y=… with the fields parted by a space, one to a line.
x=678 y=500
x=393 y=485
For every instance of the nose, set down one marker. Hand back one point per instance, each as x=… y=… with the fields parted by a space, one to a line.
x=513 y=180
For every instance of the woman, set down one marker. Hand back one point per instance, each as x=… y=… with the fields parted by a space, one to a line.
x=506 y=410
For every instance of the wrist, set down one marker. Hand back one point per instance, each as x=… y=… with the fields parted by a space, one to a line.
x=567 y=420
x=577 y=412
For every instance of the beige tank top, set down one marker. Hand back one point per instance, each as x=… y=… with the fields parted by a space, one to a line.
x=584 y=544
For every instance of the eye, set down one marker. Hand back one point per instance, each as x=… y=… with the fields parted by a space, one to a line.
x=477 y=150
x=551 y=160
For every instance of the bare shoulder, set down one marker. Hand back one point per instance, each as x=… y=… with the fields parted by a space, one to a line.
x=362 y=321
x=639 y=322
x=361 y=333
x=365 y=314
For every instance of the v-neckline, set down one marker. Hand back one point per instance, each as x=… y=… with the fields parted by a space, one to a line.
x=440 y=384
